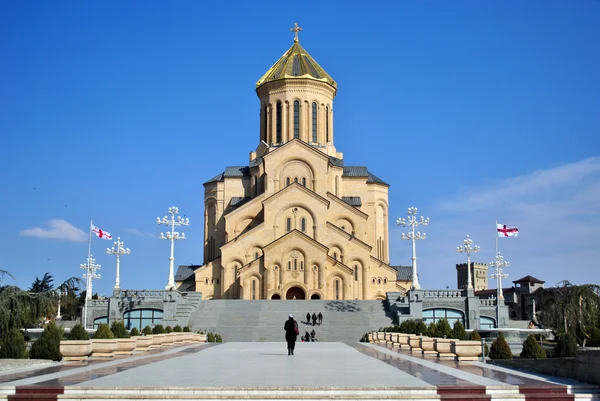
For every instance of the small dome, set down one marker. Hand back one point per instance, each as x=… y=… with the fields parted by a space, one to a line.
x=296 y=63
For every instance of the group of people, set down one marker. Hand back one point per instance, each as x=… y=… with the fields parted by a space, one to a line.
x=316 y=319
x=292 y=332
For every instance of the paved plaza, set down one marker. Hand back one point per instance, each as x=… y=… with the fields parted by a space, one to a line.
x=265 y=371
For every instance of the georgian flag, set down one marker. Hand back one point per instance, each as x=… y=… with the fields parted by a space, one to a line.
x=507 y=231
x=101 y=233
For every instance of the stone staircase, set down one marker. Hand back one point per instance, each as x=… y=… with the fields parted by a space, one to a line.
x=237 y=320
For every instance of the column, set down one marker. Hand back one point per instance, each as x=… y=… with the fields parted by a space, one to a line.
x=322 y=117
x=273 y=119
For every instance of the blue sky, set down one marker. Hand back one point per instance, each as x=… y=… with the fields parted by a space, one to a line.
x=473 y=111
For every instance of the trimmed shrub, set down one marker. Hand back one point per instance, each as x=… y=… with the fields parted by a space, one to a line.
x=168 y=329
x=158 y=329
x=187 y=329
x=177 y=329
x=119 y=330
x=364 y=338
x=458 y=331
x=566 y=346
x=79 y=333
x=532 y=349
x=134 y=332
x=432 y=329
x=500 y=348
x=147 y=331
x=48 y=345
x=210 y=338
x=421 y=329
x=218 y=338
x=13 y=345
x=474 y=336
x=443 y=329
x=103 y=333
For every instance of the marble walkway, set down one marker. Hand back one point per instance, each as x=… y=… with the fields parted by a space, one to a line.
x=264 y=371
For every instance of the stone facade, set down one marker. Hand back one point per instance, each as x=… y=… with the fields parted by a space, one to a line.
x=295 y=223
x=479 y=276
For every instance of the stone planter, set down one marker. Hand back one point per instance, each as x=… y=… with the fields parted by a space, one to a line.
x=104 y=348
x=415 y=343
x=75 y=350
x=187 y=338
x=125 y=346
x=403 y=340
x=178 y=338
x=169 y=339
x=143 y=343
x=443 y=346
x=157 y=340
x=372 y=337
x=388 y=338
x=467 y=350
x=427 y=346
x=395 y=341
x=201 y=338
x=381 y=337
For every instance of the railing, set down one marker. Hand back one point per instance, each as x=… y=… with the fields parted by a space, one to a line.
x=143 y=293
x=442 y=293
x=98 y=302
x=487 y=302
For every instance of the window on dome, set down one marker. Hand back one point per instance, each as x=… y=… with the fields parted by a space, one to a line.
x=296 y=119
x=314 y=123
x=278 y=122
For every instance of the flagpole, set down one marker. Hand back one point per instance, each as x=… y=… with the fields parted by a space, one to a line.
x=87 y=281
x=497 y=284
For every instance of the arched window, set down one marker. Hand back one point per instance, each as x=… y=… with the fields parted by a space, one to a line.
x=255 y=185
x=303 y=224
x=287 y=181
x=355 y=273
x=296 y=119
x=434 y=315
x=335 y=256
x=289 y=265
x=256 y=255
x=314 y=122
x=253 y=289
x=301 y=265
x=487 y=323
x=140 y=318
x=266 y=123
x=295 y=264
x=303 y=181
x=278 y=122
x=337 y=289
x=327 y=124
x=288 y=224
x=295 y=179
x=103 y=320
x=385 y=280
x=378 y=281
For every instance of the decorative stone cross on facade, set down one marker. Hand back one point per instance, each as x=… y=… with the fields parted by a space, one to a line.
x=296 y=29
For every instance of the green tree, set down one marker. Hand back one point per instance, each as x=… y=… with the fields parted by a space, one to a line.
x=443 y=329
x=187 y=329
x=532 y=349
x=177 y=329
x=43 y=285
x=566 y=346
x=458 y=331
x=500 y=348
x=158 y=329
x=134 y=332
x=119 y=330
x=432 y=329
x=79 y=333
x=103 y=332
x=421 y=329
x=147 y=331
x=13 y=345
x=48 y=345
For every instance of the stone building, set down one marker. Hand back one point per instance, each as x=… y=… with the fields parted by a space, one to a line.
x=479 y=276
x=296 y=222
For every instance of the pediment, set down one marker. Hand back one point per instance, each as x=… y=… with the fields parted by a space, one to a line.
x=296 y=188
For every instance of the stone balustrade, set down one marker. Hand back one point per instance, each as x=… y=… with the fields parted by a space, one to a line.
x=487 y=302
x=442 y=294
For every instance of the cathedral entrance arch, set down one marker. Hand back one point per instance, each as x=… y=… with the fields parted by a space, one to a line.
x=295 y=293
x=275 y=296
x=315 y=296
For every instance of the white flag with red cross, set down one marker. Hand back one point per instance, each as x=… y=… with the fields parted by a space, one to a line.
x=507 y=231
x=101 y=233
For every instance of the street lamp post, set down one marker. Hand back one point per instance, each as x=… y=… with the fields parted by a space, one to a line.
x=172 y=236
x=499 y=264
x=91 y=268
x=413 y=236
x=468 y=248
x=118 y=249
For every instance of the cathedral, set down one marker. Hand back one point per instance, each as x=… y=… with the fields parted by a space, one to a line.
x=296 y=222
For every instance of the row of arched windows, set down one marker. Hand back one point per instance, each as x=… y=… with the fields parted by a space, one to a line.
x=314 y=121
x=294 y=265
x=288 y=181
x=288 y=224
x=379 y=280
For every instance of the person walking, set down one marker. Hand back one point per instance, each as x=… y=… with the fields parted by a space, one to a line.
x=320 y=317
x=291 y=333
x=314 y=319
x=307 y=317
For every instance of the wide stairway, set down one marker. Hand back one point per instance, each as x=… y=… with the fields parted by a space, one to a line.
x=238 y=320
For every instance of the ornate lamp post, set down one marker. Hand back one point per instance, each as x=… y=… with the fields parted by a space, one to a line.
x=499 y=264
x=413 y=236
x=118 y=250
x=468 y=248
x=172 y=236
x=90 y=267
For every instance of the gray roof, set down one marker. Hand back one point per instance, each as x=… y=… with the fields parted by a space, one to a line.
x=185 y=272
x=374 y=179
x=238 y=201
x=236 y=171
x=352 y=200
x=336 y=162
x=403 y=273
x=355 y=171
x=217 y=178
x=256 y=162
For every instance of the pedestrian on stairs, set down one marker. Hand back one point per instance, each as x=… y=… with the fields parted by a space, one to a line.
x=291 y=333
x=314 y=318
x=307 y=317
x=320 y=317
